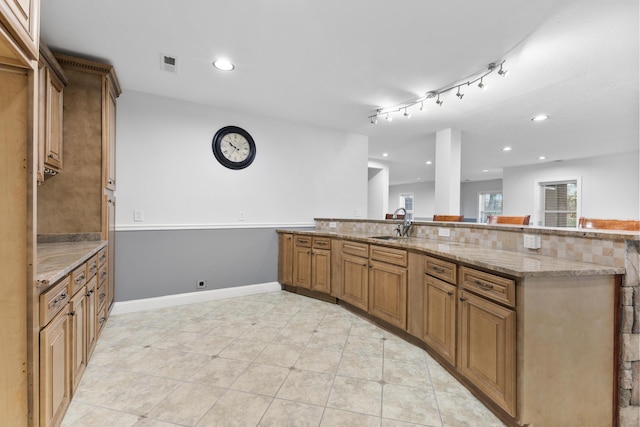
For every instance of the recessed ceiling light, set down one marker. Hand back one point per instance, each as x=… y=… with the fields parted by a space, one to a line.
x=419 y=179
x=485 y=170
x=542 y=158
x=385 y=154
x=428 y=162
x=507 y=148
x=540 y=118
x=223 y=64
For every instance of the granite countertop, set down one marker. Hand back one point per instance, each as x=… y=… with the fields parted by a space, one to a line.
x=516 y=264
x=56 y=260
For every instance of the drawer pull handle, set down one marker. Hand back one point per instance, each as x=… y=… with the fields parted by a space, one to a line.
x=437 y=269
x=463 y=299
x=102 y=296
x=60 y=298
x=102 y=257
x=50 y=156
x=483 y=285
x=79 y=278
x=102 y=319
x=450 y=293
x=73 y=313
x=88 y=294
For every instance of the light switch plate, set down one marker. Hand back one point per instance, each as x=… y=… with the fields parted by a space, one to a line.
x=444 y=232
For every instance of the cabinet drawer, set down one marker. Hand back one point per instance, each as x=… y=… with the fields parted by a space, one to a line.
x=494 y=287
x=303 y=241
x=357 y=249
x=389 y=255
x=78 y=278
x=102 y=256
x=92 y=266
x=443 y=270
x=52 y=301
x=321 y=243
x=102 y=274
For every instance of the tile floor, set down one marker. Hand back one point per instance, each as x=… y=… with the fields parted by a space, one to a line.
x=274 y=359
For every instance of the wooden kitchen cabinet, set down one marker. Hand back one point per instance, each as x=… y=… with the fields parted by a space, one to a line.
x=312 y=263
x=91 y=316
x=52 y=81
x=388 y=284
x=55 y=390
x=351 y=273
x=439 y=317
x=285 y=259
x=78 y=336
x=22 y=18
x=487 y=350
x=388 y=293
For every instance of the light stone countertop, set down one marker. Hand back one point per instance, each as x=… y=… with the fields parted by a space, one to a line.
x=516 y=264
x=56 y=260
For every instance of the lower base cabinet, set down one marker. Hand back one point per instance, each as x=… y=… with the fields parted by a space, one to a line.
x=78 y=328
x=439 y=317
x=354 y=281
x=488 y=348
x=55 y=390
x=388 y=293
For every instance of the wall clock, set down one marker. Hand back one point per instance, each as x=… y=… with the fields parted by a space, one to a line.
x=233 y=147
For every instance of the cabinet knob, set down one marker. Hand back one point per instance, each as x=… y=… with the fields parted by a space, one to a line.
x=73 y=313
x=50 y=156
x=450 y=293
x=463 y=299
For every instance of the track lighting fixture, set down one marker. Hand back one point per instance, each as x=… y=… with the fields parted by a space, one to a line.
x=374 y=120
x=477 y=78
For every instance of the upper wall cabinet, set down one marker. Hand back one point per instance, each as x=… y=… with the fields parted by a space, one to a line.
x=21 y=19
x=51 y=84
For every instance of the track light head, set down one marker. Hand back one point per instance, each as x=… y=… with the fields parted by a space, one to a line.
x=438 y=101
x=421 y=105
x=481 y=85
x=389 y=118
x=374 y=120
x=406 y=113
x=459 y=94
x=502 y=72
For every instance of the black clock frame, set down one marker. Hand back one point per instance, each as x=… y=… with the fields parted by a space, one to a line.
x=217 y=152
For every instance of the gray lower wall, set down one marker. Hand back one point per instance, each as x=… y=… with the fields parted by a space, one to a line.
x=167 y=262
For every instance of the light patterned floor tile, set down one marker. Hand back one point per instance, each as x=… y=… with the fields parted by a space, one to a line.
x=291 y=414
x=221 y=362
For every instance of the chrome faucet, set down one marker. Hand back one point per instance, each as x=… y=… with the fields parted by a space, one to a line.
x=404 y=231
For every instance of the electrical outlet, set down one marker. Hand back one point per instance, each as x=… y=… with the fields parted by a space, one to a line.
x=332 y=225
x=138 y=215
x=201 y=284
x=531 y=241
x=241 y=216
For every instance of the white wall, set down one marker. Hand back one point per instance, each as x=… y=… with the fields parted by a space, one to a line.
x=378 y=190
x=423 y=198
x=469 y=192
x=609 y=185
x=165 y=167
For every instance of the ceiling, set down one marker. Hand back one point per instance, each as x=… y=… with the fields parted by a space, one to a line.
x=333 y=63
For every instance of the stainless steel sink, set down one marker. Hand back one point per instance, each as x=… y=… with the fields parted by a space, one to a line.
x=385 y=237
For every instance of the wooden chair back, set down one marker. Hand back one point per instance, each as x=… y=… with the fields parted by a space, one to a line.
x=501 y=219
x=390 y=216
x=450 y=218
x=609 y=224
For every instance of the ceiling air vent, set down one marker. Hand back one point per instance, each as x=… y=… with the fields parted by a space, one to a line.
x=168 y=63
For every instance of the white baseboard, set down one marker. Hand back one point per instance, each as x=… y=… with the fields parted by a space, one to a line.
x=192 y=297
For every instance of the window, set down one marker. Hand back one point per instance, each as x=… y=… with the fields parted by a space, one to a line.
x=559 y=203
x=489 y=204
x=406 y=201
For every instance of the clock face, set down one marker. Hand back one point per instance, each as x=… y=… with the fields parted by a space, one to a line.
x=233 y=147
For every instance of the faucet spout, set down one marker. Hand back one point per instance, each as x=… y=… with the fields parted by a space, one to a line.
x=406 y=223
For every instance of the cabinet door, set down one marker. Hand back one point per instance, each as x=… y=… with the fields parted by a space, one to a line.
x=487 y=348
x=439 y=317
x=53 y=123
x=285 y=259
x=321 y=270
x=388 y=293
x=78 y=327
x=109 y=152
x=91 y=316
x=111 y=251
x=355 y=281
x=22 y=17
x=302 y=266
x=54 y=370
